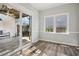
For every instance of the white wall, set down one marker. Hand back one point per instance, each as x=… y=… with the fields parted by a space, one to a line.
x=28 y=9
x=8 y=24
x=71 y=38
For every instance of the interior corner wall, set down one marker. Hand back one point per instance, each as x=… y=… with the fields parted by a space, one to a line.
x=35 y=21
x=69 y=39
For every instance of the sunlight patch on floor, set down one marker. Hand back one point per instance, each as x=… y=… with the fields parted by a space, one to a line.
x=27 y=38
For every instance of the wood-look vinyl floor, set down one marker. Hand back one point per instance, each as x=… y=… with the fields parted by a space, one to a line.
x=54 y=49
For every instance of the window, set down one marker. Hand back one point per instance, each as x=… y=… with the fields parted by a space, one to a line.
x=61 y=23
x=49 y=21
x=57 y=23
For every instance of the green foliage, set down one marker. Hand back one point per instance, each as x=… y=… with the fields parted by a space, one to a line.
x=49 y=29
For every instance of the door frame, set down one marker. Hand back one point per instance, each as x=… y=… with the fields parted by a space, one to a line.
x=20 y=33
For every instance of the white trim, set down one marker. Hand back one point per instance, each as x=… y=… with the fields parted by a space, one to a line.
x=45 y=25
x=60 y=42
x=68 y=22
x=67 y=32
x=74 y=32
x=54 y=25
x=20 y=33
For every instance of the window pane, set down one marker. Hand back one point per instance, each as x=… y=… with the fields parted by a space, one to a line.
x=61 y=23
x=49 y=23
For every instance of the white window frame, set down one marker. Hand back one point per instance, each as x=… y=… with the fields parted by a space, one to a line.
x=45 y=24
x=67 y=32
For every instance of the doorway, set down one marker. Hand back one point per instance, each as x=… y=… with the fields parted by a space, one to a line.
x=26 y=29
x=24 y=26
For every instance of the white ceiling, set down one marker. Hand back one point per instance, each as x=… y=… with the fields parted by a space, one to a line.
x=43 y=6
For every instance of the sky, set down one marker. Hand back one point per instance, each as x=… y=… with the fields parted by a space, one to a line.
x=24 y=20
x=61 y=21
